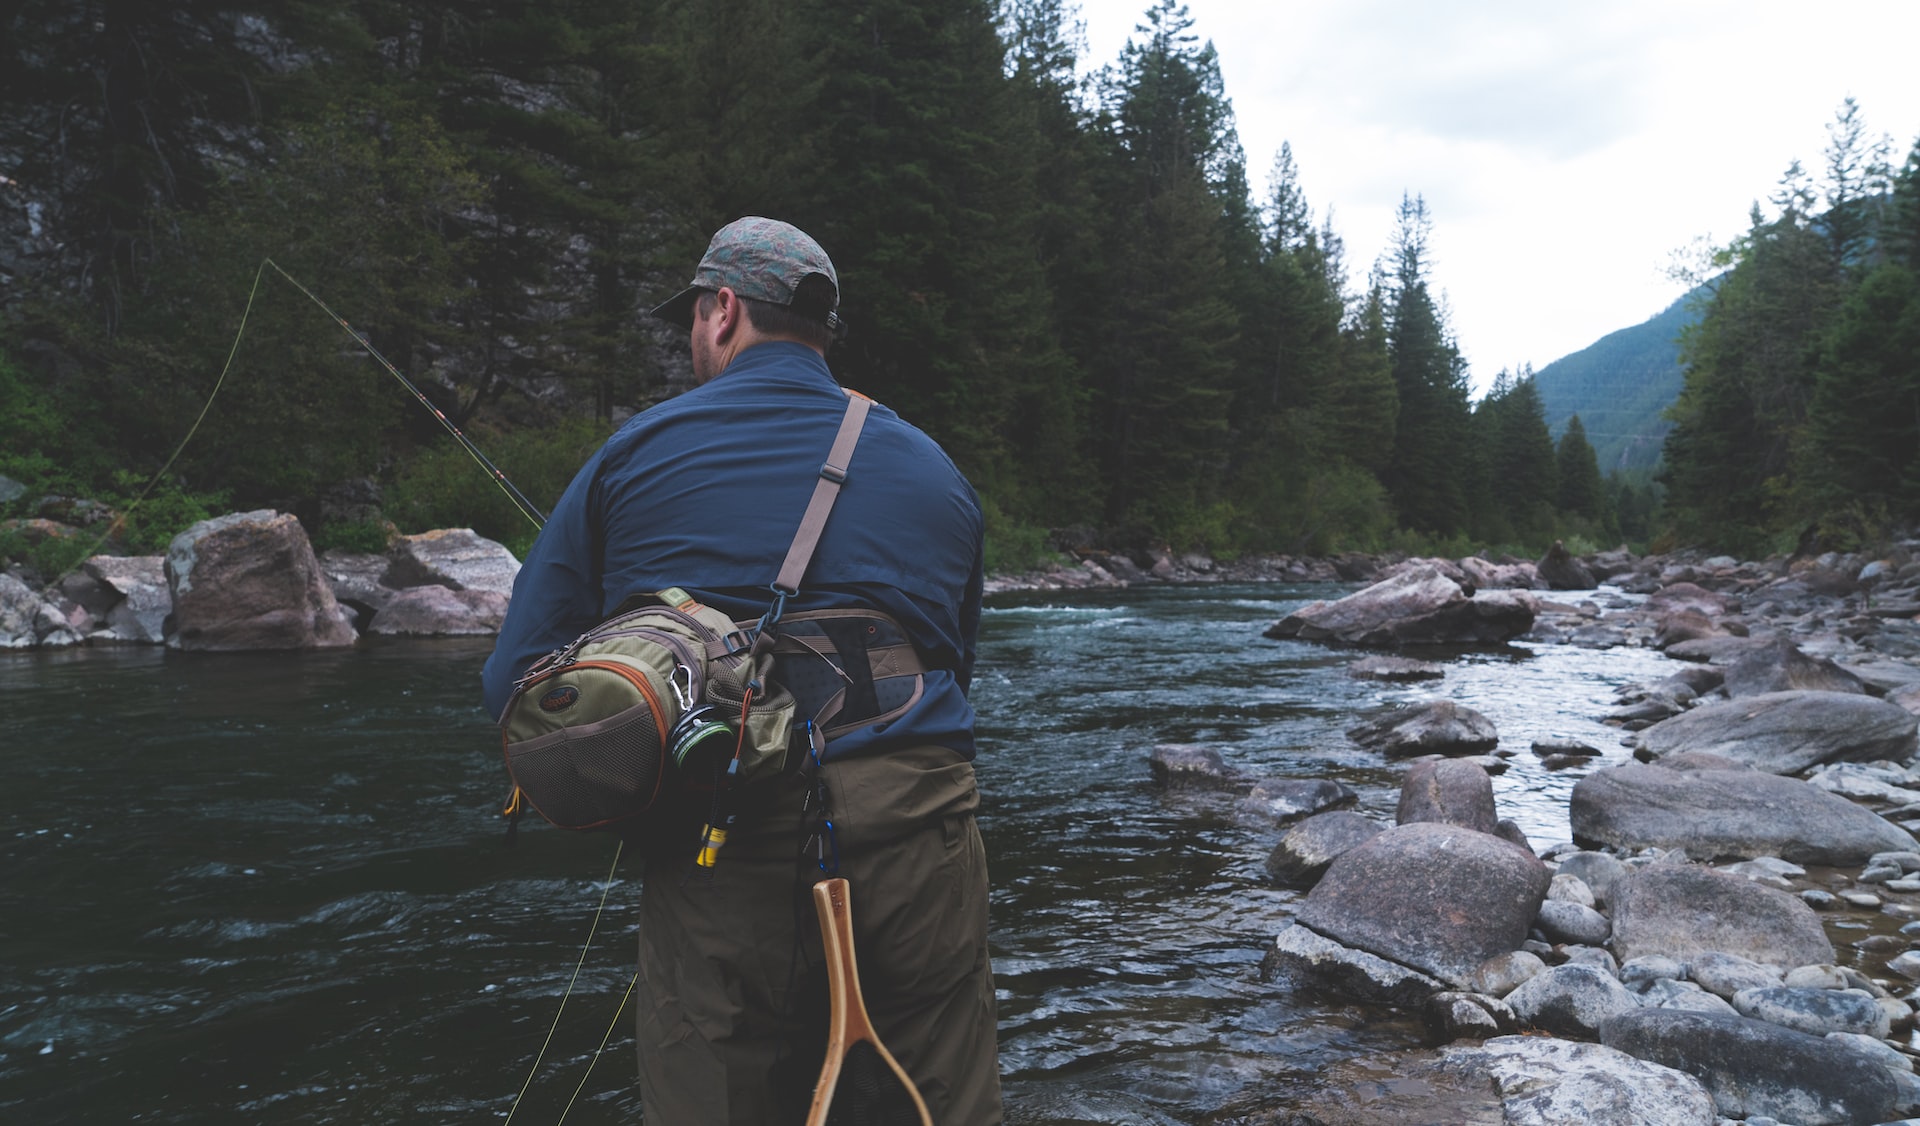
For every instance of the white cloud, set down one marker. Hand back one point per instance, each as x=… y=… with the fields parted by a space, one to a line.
x=1565 y=150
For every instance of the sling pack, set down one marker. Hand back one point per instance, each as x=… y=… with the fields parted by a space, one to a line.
x=665 y=693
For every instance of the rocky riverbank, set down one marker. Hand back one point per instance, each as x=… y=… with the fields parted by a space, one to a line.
x=1734 y=931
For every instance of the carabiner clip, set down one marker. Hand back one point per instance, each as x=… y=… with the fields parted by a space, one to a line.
x=682 y=692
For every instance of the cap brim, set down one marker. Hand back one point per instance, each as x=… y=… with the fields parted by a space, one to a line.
x=678 y=309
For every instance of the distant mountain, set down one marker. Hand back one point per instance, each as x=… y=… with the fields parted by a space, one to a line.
x=1618 y=385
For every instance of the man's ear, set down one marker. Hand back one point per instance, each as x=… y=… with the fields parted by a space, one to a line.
x=729 y=310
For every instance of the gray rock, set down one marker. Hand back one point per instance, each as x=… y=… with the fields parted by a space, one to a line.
x=1753 y=1068
x=1687 y=596
x=1653 y=967
x=1570 y=888
x=1907 y=965
x=455 y=558
x=1456 y=1015
x=1486 y=575
x=1300 y=957
x=1906 y=860
x=1877 y=1050
x=1448 y=792
x=1685 y=995
x=1544 y=1082
x=1813 y=1011
x=1572 y=748
x=1419 y=605
x=1395 y=669
x=1191 y=766
x=1281 y=800
x=1726 y=814
x=1435 y=727
x=1820 y=900
x=1507 y=830
x=1561 y=571
x=249 y=581
x=1562 y=921
x=1817 y=976
x=356 y=581
x=1721 y=649
x=1683 y=911
x=1579 y=954
x=1598 y=870
x=1780 y=666
x=1724 y=974
x=1439 y=898
x=141 y=614
x=1503 y=973
x=1303 y=854
x=436 y=611
x=1571 y=1000
x=1788 y=732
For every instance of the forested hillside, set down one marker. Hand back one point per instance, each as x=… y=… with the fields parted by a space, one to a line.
x=1621 y=386
x=1070 y=282
x=1799 y=422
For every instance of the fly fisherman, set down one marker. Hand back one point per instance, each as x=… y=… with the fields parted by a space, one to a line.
x=703 y=492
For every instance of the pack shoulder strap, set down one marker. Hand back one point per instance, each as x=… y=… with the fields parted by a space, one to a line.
x=833 y=474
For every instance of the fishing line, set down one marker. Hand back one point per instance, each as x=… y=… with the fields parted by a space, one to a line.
x=606 y=890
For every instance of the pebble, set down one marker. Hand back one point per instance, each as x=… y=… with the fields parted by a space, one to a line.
x=1877 y=1050
x=1881 y=873
x=1727 y=974
x=1820 y=900
x=1880 y=943
x=1904 y=884
x=1907 y=965
x=1905 y=861
x=1570 y=889
x=1864 y=900
x=1816 y=977
x=1651 y=967
x=1910 y=929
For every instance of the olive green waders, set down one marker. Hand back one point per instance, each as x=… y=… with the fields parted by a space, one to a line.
x=733 y=989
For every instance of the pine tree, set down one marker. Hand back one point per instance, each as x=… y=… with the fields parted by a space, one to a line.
x=1581 y=491
x=1430 y=439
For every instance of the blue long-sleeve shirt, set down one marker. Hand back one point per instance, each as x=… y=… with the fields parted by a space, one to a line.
x=704 y=492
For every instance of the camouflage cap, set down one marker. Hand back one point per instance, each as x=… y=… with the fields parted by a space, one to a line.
x=760 y=259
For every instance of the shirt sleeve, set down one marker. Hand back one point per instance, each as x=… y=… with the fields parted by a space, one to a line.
x=970 y=602
x=556 y=596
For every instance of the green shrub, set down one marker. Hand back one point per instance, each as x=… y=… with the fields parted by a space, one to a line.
x=362 y=537
x=1012 y=546
x=444 y=487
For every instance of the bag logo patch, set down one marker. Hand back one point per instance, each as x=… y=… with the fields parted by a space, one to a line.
x=559 y=699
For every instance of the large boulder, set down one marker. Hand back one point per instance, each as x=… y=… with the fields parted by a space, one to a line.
x=1450 y=792
x=44 y=619
x=1419 y=605
x=1726 y=814
x=1788 y=732
x=455 y=558
x=1485 y=575
x=1780 y=666
x=1682 y=911
x=1280 y=800
x=358 y=581
x=1560 y=570
x=1438 y=898
x=1753 y=1068
x=1303 y=854
x=435 y=611
x=145 y=603
x=249 y=580
x=1435 y=727
x=1686 y=596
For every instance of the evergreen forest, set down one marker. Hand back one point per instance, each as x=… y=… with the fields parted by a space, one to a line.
x=1059 y=267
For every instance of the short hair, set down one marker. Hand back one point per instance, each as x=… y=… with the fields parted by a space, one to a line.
x=813 y=292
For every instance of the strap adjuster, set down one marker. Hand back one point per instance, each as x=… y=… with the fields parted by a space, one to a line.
x=834 y=473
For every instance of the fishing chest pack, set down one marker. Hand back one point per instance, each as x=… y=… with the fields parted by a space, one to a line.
x=670 y=699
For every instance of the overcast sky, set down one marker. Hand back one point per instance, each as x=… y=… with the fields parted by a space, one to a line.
x=1565 y=150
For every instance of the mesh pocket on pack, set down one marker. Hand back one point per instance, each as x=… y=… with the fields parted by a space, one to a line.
x=595 y=774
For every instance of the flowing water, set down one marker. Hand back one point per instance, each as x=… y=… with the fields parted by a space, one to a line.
x=273 y=889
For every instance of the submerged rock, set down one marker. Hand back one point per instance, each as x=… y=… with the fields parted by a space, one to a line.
x=1191 y=766
x=1281 y=800
x=1397 y=669
x=435 y=611
x=1302 y=856
x=1435 y=727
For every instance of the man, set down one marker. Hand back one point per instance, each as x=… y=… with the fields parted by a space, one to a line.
x=704 y=492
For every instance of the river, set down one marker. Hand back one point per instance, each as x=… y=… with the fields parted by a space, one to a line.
x=252 y=888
